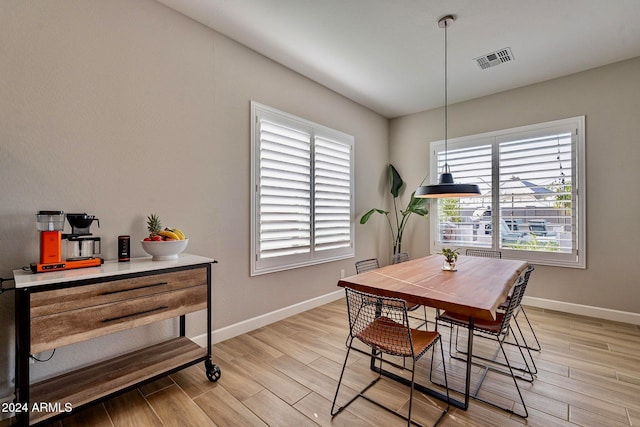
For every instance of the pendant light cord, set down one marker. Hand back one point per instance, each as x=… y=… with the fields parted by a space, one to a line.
x=446 y=103
x=446 y=187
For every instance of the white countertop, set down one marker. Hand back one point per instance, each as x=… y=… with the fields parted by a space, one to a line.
x=25 y=279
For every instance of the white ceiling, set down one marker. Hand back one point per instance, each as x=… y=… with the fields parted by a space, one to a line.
x=388 y=55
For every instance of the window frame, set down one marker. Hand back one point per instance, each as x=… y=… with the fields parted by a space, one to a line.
x=575 y=259
x=316 y=131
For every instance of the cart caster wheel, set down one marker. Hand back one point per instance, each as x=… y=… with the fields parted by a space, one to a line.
x=213 y=371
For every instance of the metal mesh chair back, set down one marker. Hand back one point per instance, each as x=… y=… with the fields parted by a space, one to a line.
x=493 y=327
x=400 y=257
x=537 y=346
x=366 y=265
x=527 y=274
x=380 y=322
x=484 y=253
x=515 y=300
x=525 y=278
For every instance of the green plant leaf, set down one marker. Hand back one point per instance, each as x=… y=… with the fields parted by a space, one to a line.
x=418 y=206
x=395 y=181
x=365 y=217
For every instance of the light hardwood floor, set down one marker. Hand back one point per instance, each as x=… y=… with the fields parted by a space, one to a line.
x=285 y=374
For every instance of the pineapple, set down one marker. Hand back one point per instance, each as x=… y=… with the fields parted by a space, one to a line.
x=153 y=225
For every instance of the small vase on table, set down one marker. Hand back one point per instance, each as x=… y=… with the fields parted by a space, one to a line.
x=450 y=259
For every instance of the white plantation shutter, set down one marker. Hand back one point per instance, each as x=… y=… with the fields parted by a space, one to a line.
x=285 y=190
x=302 y=202
x=531 y=206
x=469 y=164
x=539 y=196
x=332 y=194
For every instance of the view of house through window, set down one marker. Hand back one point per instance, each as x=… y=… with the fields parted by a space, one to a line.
x=302 y=193
x=530 y=206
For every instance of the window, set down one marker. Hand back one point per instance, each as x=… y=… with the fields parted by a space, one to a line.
x=302 y=192
x=532 y=203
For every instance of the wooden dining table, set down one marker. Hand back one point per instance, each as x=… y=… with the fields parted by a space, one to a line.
x=476 y=289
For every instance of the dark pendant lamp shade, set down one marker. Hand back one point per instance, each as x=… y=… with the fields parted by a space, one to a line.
x=446 y=187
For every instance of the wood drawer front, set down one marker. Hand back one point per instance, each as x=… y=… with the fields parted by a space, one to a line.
x=59 y=329
x=83 y=296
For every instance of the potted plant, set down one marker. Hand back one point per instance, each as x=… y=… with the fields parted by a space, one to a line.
x=450 y=258
x=401 y=216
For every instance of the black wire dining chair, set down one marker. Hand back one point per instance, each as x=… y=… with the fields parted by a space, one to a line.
x=498 y=330
x=367 y=265
x=400 y=257
x=486 y=253
x=528 y=371
x=383 y=326
x=520 y=309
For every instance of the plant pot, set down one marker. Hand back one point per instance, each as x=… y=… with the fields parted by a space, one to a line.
x=449 y=265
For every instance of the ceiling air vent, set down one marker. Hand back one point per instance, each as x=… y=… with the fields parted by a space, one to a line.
x=495 y=58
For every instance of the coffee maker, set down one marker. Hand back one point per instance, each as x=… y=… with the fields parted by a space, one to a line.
x=81 y=248
x=81 y=244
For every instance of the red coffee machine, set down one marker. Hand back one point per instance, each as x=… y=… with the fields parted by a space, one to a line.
x=50 y=225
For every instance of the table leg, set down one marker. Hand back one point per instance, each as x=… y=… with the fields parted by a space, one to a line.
x=467 y=385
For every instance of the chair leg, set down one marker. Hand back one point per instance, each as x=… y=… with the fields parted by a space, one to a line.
x=537 y=346
x=446 y=382
x=515 y=382
x=451 y=336
x=444 y=370
x=526 y=347
x=507 y=364
x=413 y=375
x=456 y=346
x=423 y=321
x=510 y=332
x=335 y=412
x=335 y=398
x=424 y=309
x=527 y=369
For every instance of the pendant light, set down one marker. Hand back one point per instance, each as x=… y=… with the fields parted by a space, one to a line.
x=445 y=186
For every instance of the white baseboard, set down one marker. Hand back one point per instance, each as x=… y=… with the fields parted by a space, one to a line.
x=584 y=310
x=218 y=335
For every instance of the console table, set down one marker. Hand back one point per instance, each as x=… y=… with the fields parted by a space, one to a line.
x=59 y=308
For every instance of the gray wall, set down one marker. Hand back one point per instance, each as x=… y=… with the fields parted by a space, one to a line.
x=124 y=108
x=609 y=97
